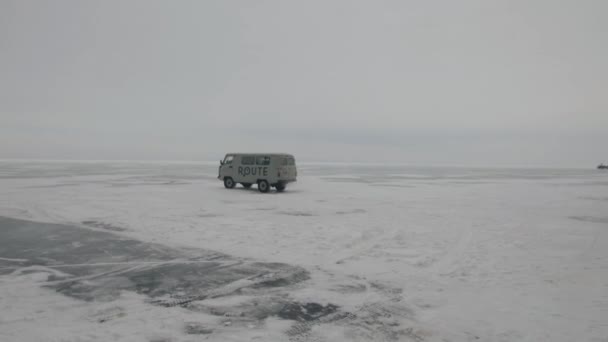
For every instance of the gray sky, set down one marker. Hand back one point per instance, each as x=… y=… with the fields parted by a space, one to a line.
x=445 y=82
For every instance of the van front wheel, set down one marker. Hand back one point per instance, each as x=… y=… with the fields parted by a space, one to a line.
x=263 y=186
x=229 y=183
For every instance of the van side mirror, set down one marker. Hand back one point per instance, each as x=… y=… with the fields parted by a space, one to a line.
x=221 y=162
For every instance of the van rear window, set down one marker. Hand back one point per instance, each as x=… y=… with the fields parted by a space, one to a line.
x=288 y=161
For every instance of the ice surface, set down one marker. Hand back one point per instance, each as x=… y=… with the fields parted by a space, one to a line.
x=410 y=253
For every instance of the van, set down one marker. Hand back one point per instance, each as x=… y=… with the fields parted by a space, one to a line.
x=264 y=169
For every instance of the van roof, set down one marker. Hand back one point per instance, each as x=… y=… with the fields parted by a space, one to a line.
x=263 y=154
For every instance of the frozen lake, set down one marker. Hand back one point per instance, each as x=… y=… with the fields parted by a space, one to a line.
x=370 y=252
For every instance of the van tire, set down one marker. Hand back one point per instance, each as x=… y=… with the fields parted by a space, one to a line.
x=229 y=183
x=246 y=185
x=263 y=186
x=280 y=187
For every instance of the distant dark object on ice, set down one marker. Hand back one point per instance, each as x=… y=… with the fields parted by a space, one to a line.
x=602 y=167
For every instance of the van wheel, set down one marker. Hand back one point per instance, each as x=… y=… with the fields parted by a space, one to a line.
x=263 y=186
x=280 y=187
x=229 y=183
x=246 y=185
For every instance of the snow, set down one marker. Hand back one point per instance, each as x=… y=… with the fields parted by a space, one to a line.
x=452 y=254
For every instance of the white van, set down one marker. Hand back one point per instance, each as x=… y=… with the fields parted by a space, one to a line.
x=264 y=169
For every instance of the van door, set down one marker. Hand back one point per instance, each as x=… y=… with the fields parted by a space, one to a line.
x=246 y=168
x=288 y=169
x=227 y=167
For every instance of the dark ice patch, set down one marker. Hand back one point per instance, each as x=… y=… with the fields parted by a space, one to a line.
x=51 y=186
x=109 y=314
x=99 y=265
x=197 y=329
x=393 y=185
x=306 y=311
x=355 y=211
x=594 y=198
x=103 y=225
x=350 y=288
x=591 y=219
x=206 y=214
x=297 y=213
x=347 y=180
x=209 y=215
x=96 y=265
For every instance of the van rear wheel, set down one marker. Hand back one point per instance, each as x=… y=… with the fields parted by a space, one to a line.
x=246 y=185
x=280 y=187
x=229 y=183
x=263 y=186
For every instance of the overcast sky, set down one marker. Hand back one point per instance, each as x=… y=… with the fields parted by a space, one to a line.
x=422 y=82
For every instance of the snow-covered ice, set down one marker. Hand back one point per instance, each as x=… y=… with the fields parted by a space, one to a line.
x=410 y=253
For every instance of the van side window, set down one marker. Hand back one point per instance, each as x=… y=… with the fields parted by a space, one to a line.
x=228 y=159
x=262 y=160
x=248 y=160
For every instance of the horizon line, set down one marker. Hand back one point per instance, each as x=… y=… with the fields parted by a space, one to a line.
x=299 y=162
